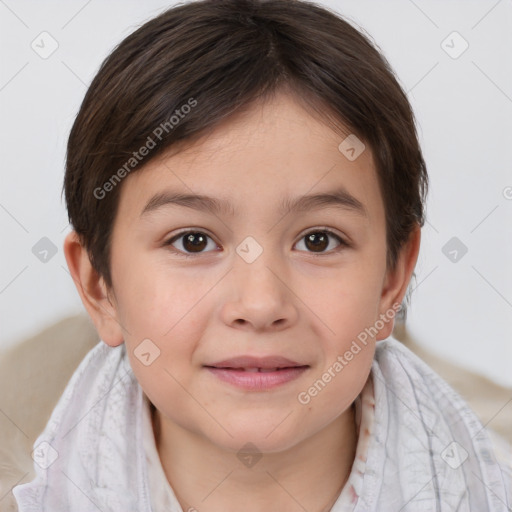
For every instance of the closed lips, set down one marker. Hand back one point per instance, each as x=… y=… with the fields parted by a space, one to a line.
x=257 y=374
x=254 y=370
x=256 y=363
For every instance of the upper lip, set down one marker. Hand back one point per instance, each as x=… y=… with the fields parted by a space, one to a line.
x=256 y=362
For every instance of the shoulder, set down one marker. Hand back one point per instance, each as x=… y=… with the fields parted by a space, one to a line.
x=418 y=409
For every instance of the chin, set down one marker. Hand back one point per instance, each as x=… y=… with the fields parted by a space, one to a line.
x=260 y=438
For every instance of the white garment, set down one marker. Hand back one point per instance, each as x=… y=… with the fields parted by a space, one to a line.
x=428 y=451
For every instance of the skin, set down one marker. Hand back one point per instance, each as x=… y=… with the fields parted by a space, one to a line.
x=294 y=300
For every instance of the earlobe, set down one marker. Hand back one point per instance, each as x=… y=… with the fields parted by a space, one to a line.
x=93 y=291
x=397 y=281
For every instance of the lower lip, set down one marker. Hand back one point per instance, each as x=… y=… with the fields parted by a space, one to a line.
x=257 y=381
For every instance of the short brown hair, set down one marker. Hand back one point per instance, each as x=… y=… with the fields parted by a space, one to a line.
x=218 y=56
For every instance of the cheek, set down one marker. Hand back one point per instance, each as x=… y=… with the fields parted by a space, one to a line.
x=347 y=353
x=163 y=313
x=341 y=381
x=153 y=298
x=346 y=300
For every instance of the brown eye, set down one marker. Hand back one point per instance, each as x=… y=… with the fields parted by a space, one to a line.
x=318 y=241
x=191 y=242
x=194 y=242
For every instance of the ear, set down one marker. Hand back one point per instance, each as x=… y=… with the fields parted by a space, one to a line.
x=396 y=281
x=97 y=299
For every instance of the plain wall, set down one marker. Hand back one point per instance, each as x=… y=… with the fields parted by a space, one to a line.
x=462 y=303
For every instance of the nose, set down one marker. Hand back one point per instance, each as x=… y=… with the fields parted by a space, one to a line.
x=261 y=296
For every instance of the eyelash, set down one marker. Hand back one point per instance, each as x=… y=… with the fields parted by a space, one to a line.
x=168 y=243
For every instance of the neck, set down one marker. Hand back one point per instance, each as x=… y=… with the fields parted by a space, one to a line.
x=308 y=476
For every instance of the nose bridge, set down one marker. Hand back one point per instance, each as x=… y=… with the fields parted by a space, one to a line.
x=260 y=297
x=253 y=262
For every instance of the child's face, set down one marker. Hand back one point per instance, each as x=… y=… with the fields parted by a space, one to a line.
x=306 y=300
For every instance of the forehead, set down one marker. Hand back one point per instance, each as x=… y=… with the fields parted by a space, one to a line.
x=257 y=161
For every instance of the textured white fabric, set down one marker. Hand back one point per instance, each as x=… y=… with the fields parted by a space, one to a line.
x=96 y=431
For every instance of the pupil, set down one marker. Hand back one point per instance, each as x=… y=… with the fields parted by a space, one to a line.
x=318 y=240
x=195 y=246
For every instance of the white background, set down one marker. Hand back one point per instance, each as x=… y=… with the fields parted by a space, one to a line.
x=461 y=310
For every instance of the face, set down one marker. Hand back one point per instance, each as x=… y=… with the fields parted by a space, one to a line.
x=207 y=284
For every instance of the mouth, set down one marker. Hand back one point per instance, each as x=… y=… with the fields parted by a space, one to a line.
x=257 y=369
x=257 y=378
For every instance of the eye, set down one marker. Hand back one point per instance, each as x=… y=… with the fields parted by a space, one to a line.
x=317 y=241
x=195 y=242
x=191 y=242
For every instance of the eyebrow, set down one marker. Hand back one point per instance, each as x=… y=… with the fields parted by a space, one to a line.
x=339 y=198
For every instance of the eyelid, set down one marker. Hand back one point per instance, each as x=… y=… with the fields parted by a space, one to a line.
x=192 y=229
x=324 y=229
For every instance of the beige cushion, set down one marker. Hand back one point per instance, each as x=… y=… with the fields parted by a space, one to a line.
x=33 y=375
